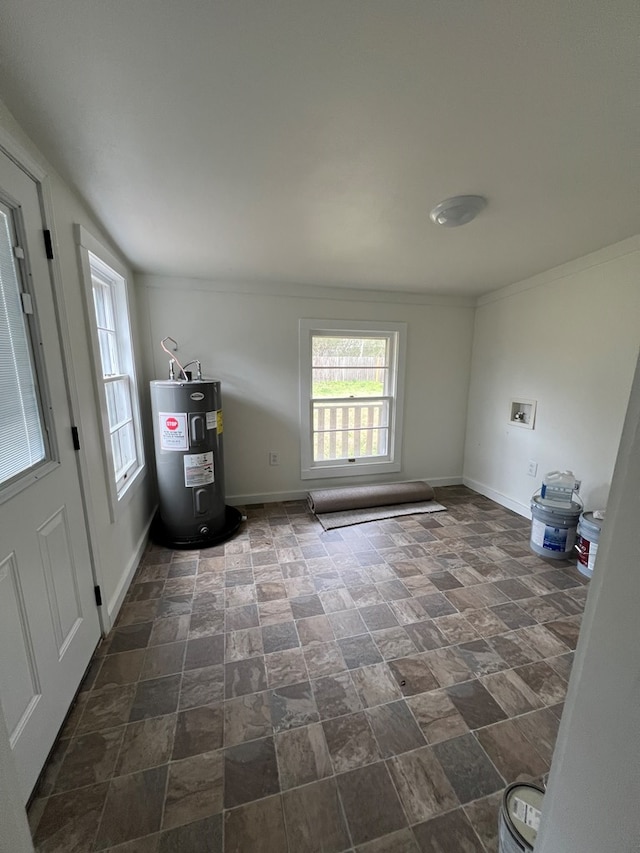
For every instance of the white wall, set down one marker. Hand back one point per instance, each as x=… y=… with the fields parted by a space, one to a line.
x=569 y=339
x=592 y=802
x=116 y=546
x=247 y=336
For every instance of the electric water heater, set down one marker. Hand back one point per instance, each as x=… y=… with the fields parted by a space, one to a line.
x=188 y=434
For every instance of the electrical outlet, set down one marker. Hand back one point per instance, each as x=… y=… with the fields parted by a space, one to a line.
x=532 y=468
x=274 y=457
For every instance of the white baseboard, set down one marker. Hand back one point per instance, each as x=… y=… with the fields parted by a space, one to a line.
x=278 y=497
x=498 y=497
x=115 y=602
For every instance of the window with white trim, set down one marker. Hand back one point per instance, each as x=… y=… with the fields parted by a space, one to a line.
x=351 y=382
x=112 y=344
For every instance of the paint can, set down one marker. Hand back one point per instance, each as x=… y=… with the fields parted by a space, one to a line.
x=519 y=818
x=589 y=528
x=553 y=530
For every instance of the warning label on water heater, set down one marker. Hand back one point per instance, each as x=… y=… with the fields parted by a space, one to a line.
x=214 y=420
x=173 y=431
x=198 y=469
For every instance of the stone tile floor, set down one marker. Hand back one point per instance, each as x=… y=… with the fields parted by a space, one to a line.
x=371 y=689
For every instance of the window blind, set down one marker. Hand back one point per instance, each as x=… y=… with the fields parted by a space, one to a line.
x=22 y=442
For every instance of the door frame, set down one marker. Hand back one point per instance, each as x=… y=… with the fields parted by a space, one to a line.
x=16 y=152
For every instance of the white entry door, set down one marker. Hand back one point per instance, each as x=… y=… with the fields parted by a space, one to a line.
x=49 y=624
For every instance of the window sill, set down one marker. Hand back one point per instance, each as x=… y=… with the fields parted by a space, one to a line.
x=349 y=469
x=118 y=503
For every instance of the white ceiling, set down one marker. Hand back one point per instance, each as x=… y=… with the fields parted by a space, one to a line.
x=298 y=141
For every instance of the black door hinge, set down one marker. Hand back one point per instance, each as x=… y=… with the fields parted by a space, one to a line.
x=75 y=438
x=98 y=594
x=48 y=245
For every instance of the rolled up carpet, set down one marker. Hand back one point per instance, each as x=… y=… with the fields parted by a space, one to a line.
x=362 y=497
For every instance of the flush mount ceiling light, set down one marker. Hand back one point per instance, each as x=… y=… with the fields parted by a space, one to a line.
x=458 y=210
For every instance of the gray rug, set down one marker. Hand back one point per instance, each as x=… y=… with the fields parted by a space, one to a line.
x=365 y=497
x=331 y=520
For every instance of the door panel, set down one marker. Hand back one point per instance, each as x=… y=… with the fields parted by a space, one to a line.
x=49 y=624
x=60 y=578
x=17 y=666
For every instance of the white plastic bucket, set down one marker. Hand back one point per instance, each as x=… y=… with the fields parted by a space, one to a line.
x=589 y=528
x=553 y=530
x=519 y=818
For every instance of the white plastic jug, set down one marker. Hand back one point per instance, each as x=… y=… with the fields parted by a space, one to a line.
x=558 y=488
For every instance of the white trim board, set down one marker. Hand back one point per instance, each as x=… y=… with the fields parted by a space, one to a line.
x=16 y=151
x=301 y=291
x=571 y=268
x=515 y=506
x=115 y=602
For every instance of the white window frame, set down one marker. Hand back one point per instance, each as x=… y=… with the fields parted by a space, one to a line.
x=51 y=458
x=94 y=256
x=396 y=333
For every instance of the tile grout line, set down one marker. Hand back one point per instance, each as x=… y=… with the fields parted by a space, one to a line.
x=274 y=735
